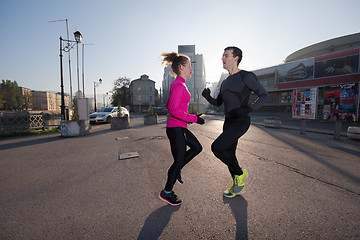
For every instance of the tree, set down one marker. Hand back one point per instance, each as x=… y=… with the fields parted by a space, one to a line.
x=10 y=95
x=121 y=91
x=2 y=101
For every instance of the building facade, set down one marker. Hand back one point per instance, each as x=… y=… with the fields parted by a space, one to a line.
x=195 y=84
x=48 y=101
x=142 y=94
x=27 y=98
x=320 y=81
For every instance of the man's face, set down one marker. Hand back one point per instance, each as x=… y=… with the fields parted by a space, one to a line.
x=228 y=59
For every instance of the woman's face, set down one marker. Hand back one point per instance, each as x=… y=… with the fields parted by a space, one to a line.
x=186 y=70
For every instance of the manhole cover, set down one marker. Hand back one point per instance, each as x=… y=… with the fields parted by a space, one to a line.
x=123 y=156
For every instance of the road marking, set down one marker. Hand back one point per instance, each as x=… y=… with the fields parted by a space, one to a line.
x=121 y=138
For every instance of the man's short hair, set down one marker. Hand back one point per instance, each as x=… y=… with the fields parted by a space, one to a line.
x=236 y=53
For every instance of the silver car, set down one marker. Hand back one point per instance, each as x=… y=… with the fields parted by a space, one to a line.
x=106 y=113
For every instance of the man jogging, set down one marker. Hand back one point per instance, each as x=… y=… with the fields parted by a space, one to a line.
x=235 y=93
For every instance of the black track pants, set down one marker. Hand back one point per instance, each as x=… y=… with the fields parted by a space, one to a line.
x=224 y=147
x=180 y=138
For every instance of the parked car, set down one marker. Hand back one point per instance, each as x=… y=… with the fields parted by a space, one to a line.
x=159 y=110
x=106 y=113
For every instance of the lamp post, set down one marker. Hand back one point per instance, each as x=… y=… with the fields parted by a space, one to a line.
x=62 y=106
x=65 y=49
x=83 y=70
x=96 y=85
x=78 y=38
x=68 y=45
x=107 y=99
x=196 y=98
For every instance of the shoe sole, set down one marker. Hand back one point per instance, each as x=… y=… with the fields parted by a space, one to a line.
x=227 y=196
x=172 y=204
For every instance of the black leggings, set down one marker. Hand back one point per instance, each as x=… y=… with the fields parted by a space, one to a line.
x=224 y=147
x=180 y=138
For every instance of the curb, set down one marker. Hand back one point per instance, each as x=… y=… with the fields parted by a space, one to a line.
x=343 y=134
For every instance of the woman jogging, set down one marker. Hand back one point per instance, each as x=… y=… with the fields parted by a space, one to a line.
x=235 y=93
x=176 y=129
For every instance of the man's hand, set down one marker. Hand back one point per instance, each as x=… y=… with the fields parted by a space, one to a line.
x=206 y=93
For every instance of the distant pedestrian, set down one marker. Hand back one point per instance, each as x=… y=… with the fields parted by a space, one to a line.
x=176 y=129
x=235 y=93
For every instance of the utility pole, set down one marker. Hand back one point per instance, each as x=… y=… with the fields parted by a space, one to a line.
x=68 y=45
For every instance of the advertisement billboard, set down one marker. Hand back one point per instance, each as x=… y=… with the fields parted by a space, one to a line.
x=304 y=103
x=297 y=71
x=340 y=102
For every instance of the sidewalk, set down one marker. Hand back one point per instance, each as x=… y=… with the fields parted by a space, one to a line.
x=287 y=122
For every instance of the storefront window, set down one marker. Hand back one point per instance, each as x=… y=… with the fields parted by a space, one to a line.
x=286 y=97
x=337 y=66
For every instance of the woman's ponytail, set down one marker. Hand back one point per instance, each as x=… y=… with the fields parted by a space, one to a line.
x=175 y=60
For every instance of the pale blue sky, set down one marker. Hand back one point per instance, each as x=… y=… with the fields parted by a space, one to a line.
x=129 y=36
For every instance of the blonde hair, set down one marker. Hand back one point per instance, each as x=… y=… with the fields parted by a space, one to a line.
x=176 y=60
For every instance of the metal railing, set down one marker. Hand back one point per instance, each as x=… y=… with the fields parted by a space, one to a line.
x=22 y=121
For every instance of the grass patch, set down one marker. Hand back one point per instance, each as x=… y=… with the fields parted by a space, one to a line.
x=29 y=133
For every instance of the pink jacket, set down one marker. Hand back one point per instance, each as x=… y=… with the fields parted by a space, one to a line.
x=178 y=104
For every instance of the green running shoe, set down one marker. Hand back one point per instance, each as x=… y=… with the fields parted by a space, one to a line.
x=239 y=185
x=239 y=182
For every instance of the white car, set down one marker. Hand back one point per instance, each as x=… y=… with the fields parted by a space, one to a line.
x=106 y=113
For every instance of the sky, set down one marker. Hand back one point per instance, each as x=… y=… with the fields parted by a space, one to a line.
x=125 y=38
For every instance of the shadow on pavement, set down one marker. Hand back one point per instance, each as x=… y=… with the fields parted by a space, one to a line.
x=26 y=142
x=297 y=146
x=156 y=222
x=238 y=207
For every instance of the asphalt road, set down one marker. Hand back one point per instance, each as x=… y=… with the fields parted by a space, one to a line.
x=299 y=186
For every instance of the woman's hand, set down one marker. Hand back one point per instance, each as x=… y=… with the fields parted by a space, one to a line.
x=200 y=120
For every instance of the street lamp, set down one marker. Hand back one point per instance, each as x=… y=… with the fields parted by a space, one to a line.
x=96 y=85
x=65 y=49
x=78 y=38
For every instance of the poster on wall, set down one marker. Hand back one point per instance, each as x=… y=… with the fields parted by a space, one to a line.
x=340 y=102
x=304 y=103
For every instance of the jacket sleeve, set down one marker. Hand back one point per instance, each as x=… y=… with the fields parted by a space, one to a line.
x=176 y=108
x=215 y=101
x=254 y=85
